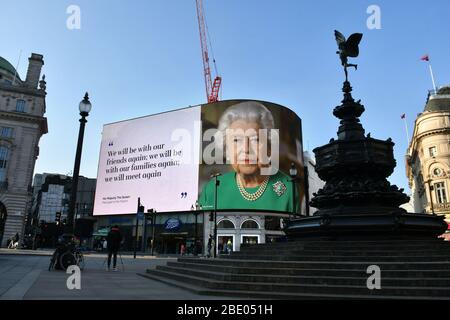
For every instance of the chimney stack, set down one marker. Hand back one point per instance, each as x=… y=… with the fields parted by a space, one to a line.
x=35 y=63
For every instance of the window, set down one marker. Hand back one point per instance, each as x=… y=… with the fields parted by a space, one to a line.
x=250 y=239
x=4 y=153
x=441 y=195
x=6 y=132
x=433 y=151
x=225 y=224
x=20 y=106
x=249 y=224
x=272 y=223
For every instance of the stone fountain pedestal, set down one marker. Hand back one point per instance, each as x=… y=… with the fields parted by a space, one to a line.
x=357 y=200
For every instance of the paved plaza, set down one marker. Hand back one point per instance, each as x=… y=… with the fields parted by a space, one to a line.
x=24 y=276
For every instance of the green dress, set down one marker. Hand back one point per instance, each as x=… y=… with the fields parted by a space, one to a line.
x=278 y=195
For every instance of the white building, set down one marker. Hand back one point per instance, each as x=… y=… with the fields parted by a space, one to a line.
x=259 y=227
x=428 y=156
x=22 y=123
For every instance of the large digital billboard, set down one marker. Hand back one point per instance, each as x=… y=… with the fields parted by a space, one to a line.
x=172 y=160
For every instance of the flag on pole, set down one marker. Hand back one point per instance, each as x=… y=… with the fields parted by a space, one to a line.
x=17 y=67
x=403 y=116
x=425 y=58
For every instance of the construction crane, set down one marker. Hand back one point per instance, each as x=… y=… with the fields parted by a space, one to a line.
x=212 y=88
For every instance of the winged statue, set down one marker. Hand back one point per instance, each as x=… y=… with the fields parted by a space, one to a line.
x=348 y=48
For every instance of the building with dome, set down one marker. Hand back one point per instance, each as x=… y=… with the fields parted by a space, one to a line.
x=428 y=156
x=22 y=123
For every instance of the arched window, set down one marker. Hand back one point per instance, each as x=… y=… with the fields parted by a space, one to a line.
x=4 y=155
x=225 y=224
x=249 y=224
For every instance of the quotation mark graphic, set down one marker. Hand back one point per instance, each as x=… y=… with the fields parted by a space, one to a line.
x=184 y=194
x=110 y=144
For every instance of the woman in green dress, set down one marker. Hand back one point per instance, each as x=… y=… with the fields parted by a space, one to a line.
x=247 y=187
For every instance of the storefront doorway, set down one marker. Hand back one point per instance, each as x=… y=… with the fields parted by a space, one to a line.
x=222 y=243
x=170 y=243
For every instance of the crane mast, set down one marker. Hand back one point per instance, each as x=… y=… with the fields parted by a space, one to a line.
x=212 y=88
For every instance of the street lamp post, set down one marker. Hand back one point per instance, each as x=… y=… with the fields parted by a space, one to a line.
x=216 y=184
x=85 y=107
x=306 y=185
x=196 y=231
x=293 y=173
x=431 y=196
x=153 y=229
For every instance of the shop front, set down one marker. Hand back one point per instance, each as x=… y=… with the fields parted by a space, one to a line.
x=244 y=228
x=173 y=232
x=169 y=232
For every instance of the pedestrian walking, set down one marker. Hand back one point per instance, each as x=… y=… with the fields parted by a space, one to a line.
x=113 y=244
x=208 y=254
x=229 y=246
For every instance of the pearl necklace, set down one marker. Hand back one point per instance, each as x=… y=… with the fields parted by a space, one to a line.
x=252 y=196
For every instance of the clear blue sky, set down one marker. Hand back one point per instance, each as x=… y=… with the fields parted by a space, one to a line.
x=141 y=57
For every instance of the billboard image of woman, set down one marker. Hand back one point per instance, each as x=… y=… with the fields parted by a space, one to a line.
x=258 y=142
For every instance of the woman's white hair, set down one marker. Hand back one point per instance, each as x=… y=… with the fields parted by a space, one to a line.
x=248 y=111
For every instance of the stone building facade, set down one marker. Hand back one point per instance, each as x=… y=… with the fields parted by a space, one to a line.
x=22 y=123
x=428 y=156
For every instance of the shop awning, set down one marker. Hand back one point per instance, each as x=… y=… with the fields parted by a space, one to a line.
x=101 y=232
x=173 y=233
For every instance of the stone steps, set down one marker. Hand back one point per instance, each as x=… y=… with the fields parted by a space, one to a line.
x=359 y=280
x=367 y=259
x=333 y=271
x=341 y=252
x=443 y=292
x=365 y=246
x=275 y=295
x=349 y=243
x=418 y=273
x=335 y=265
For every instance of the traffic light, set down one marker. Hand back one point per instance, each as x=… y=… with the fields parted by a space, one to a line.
x=149 y=213
x=58 y=217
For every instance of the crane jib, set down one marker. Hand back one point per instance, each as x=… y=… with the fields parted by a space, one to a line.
x=212 y=89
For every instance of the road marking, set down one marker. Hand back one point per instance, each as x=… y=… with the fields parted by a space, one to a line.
x=18 y=291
